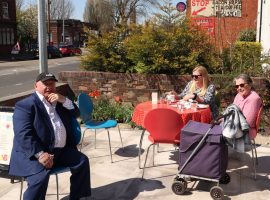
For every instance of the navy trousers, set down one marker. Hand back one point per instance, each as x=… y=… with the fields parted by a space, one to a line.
x=79 y=180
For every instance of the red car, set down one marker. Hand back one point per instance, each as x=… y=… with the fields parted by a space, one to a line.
x=69 y=50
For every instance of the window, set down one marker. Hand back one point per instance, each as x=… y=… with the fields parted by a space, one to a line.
x=8 y=36
x=0 y=36
x=5 y=10
x=4 y=36
x=12 y=37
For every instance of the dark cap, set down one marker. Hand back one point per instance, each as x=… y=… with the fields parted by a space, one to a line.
x=46 y=76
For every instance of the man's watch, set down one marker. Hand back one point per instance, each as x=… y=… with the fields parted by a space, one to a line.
x=195 y=96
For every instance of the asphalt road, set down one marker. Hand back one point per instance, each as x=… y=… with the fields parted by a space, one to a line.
x=19 y=76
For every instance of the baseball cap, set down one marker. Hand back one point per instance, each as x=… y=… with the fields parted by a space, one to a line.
x=45 y=76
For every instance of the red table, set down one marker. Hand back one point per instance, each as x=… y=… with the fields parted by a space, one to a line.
x=200 y=115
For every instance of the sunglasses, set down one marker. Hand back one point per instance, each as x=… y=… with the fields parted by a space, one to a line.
x=195 y=76
x=241 y=85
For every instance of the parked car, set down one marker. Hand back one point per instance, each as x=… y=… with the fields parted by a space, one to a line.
x=54 y=52
x=66 y=50
x=69 y=50
x=77 y=50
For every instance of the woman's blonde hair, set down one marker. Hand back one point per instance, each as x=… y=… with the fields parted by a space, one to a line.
x=202 y=70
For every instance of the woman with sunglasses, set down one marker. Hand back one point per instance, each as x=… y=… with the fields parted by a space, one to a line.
x=199 y=89
x=248 y=101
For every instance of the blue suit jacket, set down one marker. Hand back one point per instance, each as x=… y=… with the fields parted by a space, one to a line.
x=33 y=132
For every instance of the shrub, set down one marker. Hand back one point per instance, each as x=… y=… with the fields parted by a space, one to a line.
x=246 y=58
x=105 y=109
x=151 y=49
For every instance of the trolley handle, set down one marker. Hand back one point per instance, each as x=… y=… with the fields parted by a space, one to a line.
x=217 y=120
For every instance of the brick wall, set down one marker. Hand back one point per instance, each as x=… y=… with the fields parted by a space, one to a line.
x=137 y=88
x=227 y=29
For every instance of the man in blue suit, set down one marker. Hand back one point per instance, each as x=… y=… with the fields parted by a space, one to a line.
x=43 y=139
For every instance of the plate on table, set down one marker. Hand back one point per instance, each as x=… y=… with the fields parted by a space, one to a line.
x=202 y=105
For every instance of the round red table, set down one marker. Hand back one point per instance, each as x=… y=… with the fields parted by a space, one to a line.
x=200 y=115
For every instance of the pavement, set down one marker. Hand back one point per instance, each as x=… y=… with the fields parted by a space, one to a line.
x=121 y=180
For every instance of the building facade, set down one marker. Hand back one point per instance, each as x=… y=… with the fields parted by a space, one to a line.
x=223 y=19
x=73 y=32
x=263 y=25
x=8 y=27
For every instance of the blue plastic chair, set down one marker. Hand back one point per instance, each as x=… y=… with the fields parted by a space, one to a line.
x=58 y=170
x=85 y=105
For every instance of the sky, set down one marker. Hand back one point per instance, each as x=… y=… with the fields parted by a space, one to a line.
x=79 y=9
x=80 y=4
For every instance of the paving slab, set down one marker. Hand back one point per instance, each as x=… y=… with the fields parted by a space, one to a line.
x=121 y=180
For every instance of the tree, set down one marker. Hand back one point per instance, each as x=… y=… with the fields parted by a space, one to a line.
x=99 y=14
x=168 y=16
x=56 y=9
x=105 y=14
x=124 y=9
x=27 y=23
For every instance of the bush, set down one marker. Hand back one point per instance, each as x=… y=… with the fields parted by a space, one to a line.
x=105 y=109
x=151 y=49
x=246 y=58
x=243 y=57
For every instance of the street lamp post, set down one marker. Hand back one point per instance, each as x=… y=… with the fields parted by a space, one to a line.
x=63 y=17
x=49 y=21
x=43 y=62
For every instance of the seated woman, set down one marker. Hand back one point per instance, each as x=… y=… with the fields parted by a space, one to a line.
x=248 y=101
x=200 y=90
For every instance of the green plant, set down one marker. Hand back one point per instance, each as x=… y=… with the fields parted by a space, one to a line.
x=248 y=35
x=246 y=58
x=105 y=109
x=151 y=49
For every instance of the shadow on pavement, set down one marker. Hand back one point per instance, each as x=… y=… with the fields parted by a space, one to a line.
x=129 y=151
x=126 y=189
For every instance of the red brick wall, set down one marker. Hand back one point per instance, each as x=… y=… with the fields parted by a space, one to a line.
x=137 y=88
x=230 y=27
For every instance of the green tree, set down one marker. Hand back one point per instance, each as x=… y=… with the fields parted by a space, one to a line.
x=168 y=16
x=27 y=24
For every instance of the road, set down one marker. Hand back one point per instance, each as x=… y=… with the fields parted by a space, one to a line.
x=19 y=76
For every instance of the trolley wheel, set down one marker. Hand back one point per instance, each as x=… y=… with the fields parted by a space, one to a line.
x=216 y=193
x=179 y=187
x=225 y=179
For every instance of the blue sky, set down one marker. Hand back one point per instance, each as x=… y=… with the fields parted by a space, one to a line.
x=80 y=4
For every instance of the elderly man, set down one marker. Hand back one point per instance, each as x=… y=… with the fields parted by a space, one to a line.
x=43 y=139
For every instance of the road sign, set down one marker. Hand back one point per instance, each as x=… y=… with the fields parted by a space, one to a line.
x=202 y=8
x=181 y=6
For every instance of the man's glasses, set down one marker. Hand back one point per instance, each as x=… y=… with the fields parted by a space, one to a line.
x=195 y=76
x=241 y=85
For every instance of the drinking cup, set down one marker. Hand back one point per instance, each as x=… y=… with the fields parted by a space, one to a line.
x=180 y=106
x=194 y=106
x=171 y=97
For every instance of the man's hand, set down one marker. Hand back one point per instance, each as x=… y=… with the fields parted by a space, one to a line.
x=54 y=97
x=46 y=160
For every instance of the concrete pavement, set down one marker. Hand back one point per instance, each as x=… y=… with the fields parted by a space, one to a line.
x=121 y=180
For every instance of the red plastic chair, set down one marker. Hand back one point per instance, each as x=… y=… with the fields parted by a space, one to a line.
x=164 y=126
x=253 y=144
